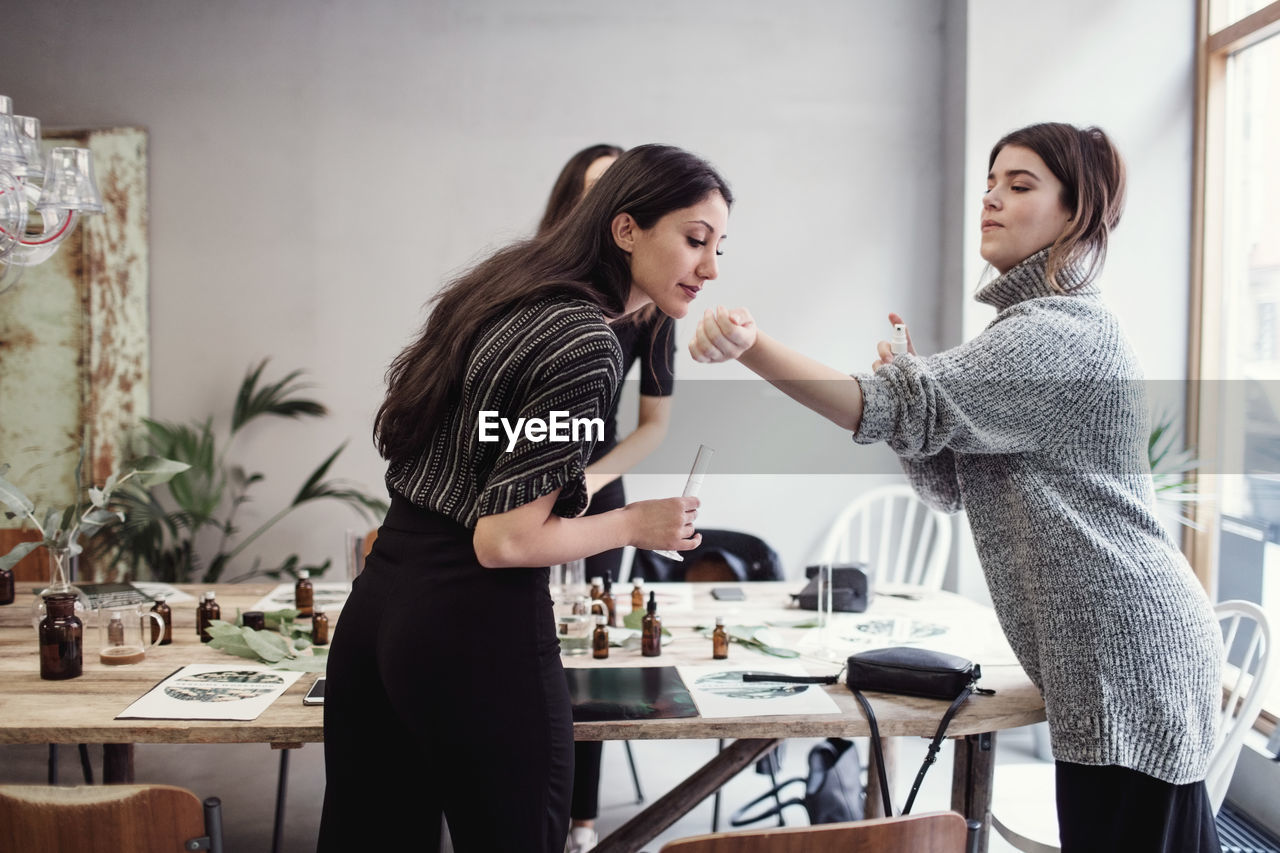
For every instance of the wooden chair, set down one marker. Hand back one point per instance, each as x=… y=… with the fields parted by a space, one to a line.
x=936 y=832
x=107 y=819
x=898 y=536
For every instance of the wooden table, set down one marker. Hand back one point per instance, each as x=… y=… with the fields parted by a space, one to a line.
x=81 y=710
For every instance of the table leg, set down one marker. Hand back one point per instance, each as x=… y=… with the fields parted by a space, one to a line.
x=117 y=764
x=648 y=824
x=971 y=776
x=875 y=802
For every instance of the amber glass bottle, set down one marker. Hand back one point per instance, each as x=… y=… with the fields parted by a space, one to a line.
x=611 y=617
x=637 y=594
x=304 y=595
x=165 y=613
x=597 y=588
x=719 y=640
x=61 y=638
x=210 y=612
x=319 y=629
x=651 y=631
x=6 y=586
x=600 y=640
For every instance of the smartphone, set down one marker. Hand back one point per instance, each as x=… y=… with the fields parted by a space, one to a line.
x=315 y=696
x=728 y=593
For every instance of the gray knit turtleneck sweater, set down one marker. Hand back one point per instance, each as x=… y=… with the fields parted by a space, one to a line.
x=1038 y=429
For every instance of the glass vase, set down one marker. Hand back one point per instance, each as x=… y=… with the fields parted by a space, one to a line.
x=59 y=583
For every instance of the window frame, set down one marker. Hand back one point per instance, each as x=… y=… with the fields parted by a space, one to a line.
x=1213 y=50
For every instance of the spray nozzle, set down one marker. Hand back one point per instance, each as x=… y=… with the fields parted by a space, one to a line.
x=899 y=343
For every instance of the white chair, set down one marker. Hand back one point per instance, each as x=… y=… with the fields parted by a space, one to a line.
x=900 y=538
x=1023 y=807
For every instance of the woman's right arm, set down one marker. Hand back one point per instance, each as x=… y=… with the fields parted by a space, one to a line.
x=725 y=335
x=532 y=535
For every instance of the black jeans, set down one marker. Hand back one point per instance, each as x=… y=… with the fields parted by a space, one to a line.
x=1115 y=808
x=445 y=694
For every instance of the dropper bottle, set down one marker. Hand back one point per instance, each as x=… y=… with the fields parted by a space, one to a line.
x=651 y=630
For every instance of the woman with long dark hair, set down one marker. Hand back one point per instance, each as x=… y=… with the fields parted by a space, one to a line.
x=1038 y=428
x=445 y=690
x=646 y=337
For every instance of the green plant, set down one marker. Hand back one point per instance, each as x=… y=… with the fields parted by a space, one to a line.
x=162 y=533
x=63 y=527
x=1170 y=464
x=279 y=644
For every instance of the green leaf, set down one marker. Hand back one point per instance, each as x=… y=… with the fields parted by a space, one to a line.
x=154 y=470
x=277 y=399
x=12 y=497
x=22 y=549
x=314 y=487
x=264 y=644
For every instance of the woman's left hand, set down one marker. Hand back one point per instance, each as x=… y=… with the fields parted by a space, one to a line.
x=884 y=349
x=723 y=335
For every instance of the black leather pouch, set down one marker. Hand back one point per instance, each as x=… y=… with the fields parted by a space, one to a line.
x=911 y=671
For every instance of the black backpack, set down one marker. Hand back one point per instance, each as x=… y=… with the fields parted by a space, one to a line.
x=832 y=792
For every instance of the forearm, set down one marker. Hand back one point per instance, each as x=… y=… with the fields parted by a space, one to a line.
x=554 y=540
x=834 y=395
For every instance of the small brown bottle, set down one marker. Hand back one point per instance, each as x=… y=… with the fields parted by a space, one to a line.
x=61 y=638
x=600 y=640
x=211 y=611
x=651 y=631
x=6 y=586
x=637 y=594
x=719 y=641
x=166 y=614
x=597 y=588
x=304 y=595
x=319 y=629
x=607 y=597
x=115 y=630
x=255 y=619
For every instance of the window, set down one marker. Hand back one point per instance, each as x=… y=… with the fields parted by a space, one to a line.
x=1236 y=402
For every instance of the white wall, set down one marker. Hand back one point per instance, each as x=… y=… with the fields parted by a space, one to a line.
x=319 y=168
x=1127 y=67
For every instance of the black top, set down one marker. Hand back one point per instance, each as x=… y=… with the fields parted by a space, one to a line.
x=653 y=343
x=556 y=355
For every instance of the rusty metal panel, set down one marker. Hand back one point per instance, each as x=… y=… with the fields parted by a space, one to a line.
x=74 y=342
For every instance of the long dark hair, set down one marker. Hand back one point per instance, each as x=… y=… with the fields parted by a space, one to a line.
x=576 y=259
x=1092 y=174
x=567 y=191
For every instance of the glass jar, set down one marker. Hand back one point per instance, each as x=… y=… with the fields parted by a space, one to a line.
x=60 y=571
x=6 y=586
x=61 y=638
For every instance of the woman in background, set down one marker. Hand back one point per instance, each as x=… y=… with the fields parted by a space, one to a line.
x=445 y=688
x=648 y=336
x=1038 y=428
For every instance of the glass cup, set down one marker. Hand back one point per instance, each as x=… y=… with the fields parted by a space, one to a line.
x=125 y=634
x=574 y=625
x=569 y=580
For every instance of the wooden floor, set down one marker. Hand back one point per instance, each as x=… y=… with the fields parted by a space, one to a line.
x=244 y=776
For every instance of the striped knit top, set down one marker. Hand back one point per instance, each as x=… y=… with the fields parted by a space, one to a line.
x=555 y=355
x=1038 y=429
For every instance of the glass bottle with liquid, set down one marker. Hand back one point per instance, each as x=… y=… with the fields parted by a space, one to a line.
x=304 y=595
x=61 y=638
x=319 y=629
x=166 y=613
x=600 y=640
x=719 y=641
x=6 y=586
x=209 y=611
x=637 y=594
x=611 y=608
x=651 y=630
x=597 y=588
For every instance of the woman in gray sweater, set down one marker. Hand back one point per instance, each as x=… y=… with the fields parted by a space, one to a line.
x=1038 y=428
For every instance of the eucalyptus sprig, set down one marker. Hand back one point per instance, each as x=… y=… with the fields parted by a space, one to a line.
x=62 y=527
x=279 y=645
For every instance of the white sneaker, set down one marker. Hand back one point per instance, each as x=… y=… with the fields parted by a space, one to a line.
x=581 y=839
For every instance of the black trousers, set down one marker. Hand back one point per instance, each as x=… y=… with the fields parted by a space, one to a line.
x=585 y=804
x=445 y=694
x=1115 y=808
